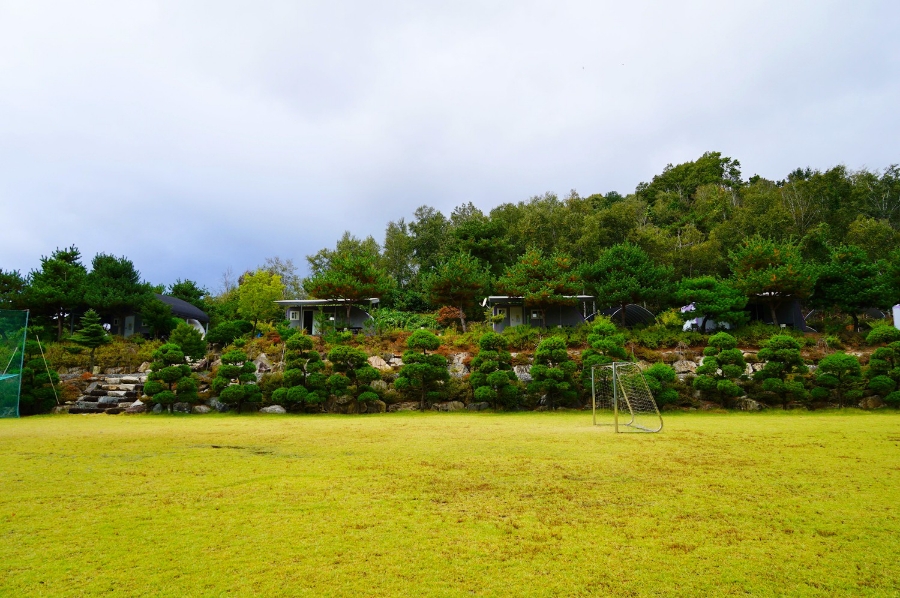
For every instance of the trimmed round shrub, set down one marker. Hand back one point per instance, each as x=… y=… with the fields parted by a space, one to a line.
x=882 y=335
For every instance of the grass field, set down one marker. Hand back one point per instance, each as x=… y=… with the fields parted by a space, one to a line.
x=471 y=504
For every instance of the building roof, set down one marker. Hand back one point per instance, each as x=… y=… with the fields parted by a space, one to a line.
x=318 y=302
x=183 y=309
x=503 y=299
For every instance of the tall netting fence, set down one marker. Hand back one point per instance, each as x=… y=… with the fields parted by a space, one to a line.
x=13 y=325
x=622 y=398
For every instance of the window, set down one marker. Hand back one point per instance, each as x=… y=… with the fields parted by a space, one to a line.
x=295 y=315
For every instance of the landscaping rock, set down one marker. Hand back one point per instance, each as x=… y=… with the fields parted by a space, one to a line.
x=115 y=411
x=61 y=409
x=158 y=408
x=683 y=366
x=872 y=402
x=448 y=406
x=182 y=408
x=478 y=406
x=379 y=385
x=114 y=370
x=457 y=366
x=109 y=401
x=376 y=407
x=218 y=405
x=379 y=364
x=145 y=367
x=84 y=410
x=273 y=409
x=137 y=407
x=745 y=404
x=523 y=373
x=201 y=409
x=405 y=406
x=262 y=363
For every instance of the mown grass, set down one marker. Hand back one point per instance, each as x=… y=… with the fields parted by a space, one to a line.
x=531 y=504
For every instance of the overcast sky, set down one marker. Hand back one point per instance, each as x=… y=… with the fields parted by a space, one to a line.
x=196 y=136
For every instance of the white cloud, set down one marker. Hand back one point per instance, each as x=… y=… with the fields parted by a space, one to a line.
x=196 y=136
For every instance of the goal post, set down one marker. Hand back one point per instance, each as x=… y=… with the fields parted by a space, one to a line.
x=621 y=397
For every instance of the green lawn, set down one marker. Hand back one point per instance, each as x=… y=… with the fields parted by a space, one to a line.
x=471 y=504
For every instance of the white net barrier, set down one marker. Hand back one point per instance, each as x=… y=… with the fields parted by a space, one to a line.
x=622 y=398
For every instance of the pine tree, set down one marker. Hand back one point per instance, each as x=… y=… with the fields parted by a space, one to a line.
x=92 y=334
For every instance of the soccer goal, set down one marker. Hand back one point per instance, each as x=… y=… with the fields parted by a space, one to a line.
x=621 y=397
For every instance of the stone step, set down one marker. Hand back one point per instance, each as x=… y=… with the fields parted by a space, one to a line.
x=80 y=410
x=117 y=386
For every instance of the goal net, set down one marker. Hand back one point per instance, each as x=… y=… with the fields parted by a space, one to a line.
x=622 y=398
x=12 y=352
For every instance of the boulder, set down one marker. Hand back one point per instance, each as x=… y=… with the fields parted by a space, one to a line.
x=130 y=380
x=872 y=402
x=376 y=407
x=745 y=404
x=115 y=411
x=379 y=385
x=262 y=363
x=145 y=367
x=182 y=408
x=218 y=405
x=379 y=364
x=683 y=366
x=201 y=409
x=405 y=406
x=158 y=408
x=273 y=409
x=457 y=366
x=523 y=373
x=478 y=406
x=114 y=370
x=395 y=361
x=109 y=401
x=137 y=407
x=61 y=409
x=448 y=406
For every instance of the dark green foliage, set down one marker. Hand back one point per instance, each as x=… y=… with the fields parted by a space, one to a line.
x=459 y=281
x=424 y=340
x=841 y=372
x=552 y=373
x=541 y=280
x=235 y=380
x=157 y=316
x=422 y=374
x=625 y=274
x=723 y=364
x=714 y=299
x=353 y=372
x=661 y=380
x=189 y=339
x=882 y=385
x=190 y=291
x=114 y=287
x=170 y=377
x=893 y=399
x=851 y=283
x=605 y=345
x=493 y=379
x=301 y=363
x=883 y=334
x=351 y=276
x=12 y=289
x=40 y=388
x=772 y=272
x=226 y=332
x=784 y=366
x=57 y=288
x=91 y=334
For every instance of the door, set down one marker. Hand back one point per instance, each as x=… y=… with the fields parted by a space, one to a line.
x=515 y=315
x=308 y=321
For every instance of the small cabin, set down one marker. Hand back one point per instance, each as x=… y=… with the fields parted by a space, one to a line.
x=128 y=324
x=512 y=311
x=316 y=315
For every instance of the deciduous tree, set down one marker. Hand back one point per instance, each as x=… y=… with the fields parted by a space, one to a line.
x=459 y=281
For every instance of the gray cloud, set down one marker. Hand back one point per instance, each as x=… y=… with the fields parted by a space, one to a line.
x=193 y=137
